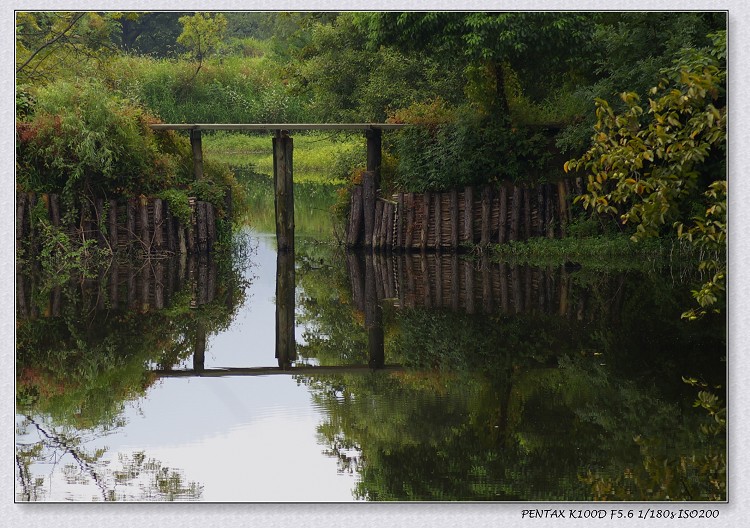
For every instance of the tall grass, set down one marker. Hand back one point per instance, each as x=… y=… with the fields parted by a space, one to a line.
x=611 y=252
x=231 y=89
x=318 y=157
x=313 y=202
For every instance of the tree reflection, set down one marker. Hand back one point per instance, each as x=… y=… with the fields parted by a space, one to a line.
x=138 y=478
x=87 y=347
x=581 y=403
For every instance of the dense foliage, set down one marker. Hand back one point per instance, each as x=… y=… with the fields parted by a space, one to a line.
x=663 y=168
x=541 y=407
x=639 y=111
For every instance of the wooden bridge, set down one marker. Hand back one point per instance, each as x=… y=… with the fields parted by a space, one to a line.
x=283 y=147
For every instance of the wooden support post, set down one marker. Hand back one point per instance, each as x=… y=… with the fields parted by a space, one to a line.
x=368 y=206
x=354 y=231
x=210 y=225
x=391 y=213
x=158 y=224
x=410 y=213
x=202 y=227
x=468 y=215
x=199 y=348
x=374 y=152
x=454 y=219
x=400 y=214
x=438 y=221
x=515 y=213
x=196 y=144
x=541 y=215
x=145 y=232
x=503 y=214
x=484 y=239
x=378 y=227
x=426 y=198
x=190 y=230
x=130 y=208
x=284 y=190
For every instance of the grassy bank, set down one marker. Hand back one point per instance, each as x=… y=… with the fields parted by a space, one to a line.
x=319 y=157
x=611 y=252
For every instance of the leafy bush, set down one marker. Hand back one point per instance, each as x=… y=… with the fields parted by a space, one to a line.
x=81 y=138
x=446 y=152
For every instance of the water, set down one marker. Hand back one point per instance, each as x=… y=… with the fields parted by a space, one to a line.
x=440 y=378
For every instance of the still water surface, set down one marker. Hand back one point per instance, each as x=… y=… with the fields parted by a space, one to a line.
x=503 y=382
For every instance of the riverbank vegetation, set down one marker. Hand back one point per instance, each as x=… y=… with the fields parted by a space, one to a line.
x=638 y=113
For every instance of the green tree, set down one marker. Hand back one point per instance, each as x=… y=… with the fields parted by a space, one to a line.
x=148 y=33
x=52 y=43
x=652 y=168
x=534 y=46
x=202 y=34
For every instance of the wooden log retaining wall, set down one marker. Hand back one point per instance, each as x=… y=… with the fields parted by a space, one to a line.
x=435 y=281
x=143 y=225
x=133 y=285
x=447 y=220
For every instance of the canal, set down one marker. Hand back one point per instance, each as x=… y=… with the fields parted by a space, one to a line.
x=504 y=382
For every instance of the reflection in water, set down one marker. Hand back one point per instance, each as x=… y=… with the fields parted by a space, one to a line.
x=438 y=378
x=523 y=383
x=434 y=280
x=286 y=351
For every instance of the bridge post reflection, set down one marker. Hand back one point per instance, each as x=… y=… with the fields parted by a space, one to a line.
x=373 y=317
x=286 y=351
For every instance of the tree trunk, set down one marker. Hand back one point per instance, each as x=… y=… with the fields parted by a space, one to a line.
x=501 y=101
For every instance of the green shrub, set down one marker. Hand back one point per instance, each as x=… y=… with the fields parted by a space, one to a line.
x=446 y=152
x=81 y=138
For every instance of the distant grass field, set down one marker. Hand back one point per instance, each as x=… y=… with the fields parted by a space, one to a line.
x=313 y=206
x=323 y=158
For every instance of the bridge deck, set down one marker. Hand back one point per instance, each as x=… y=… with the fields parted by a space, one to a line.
x=277 y=126
x=269 y=371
